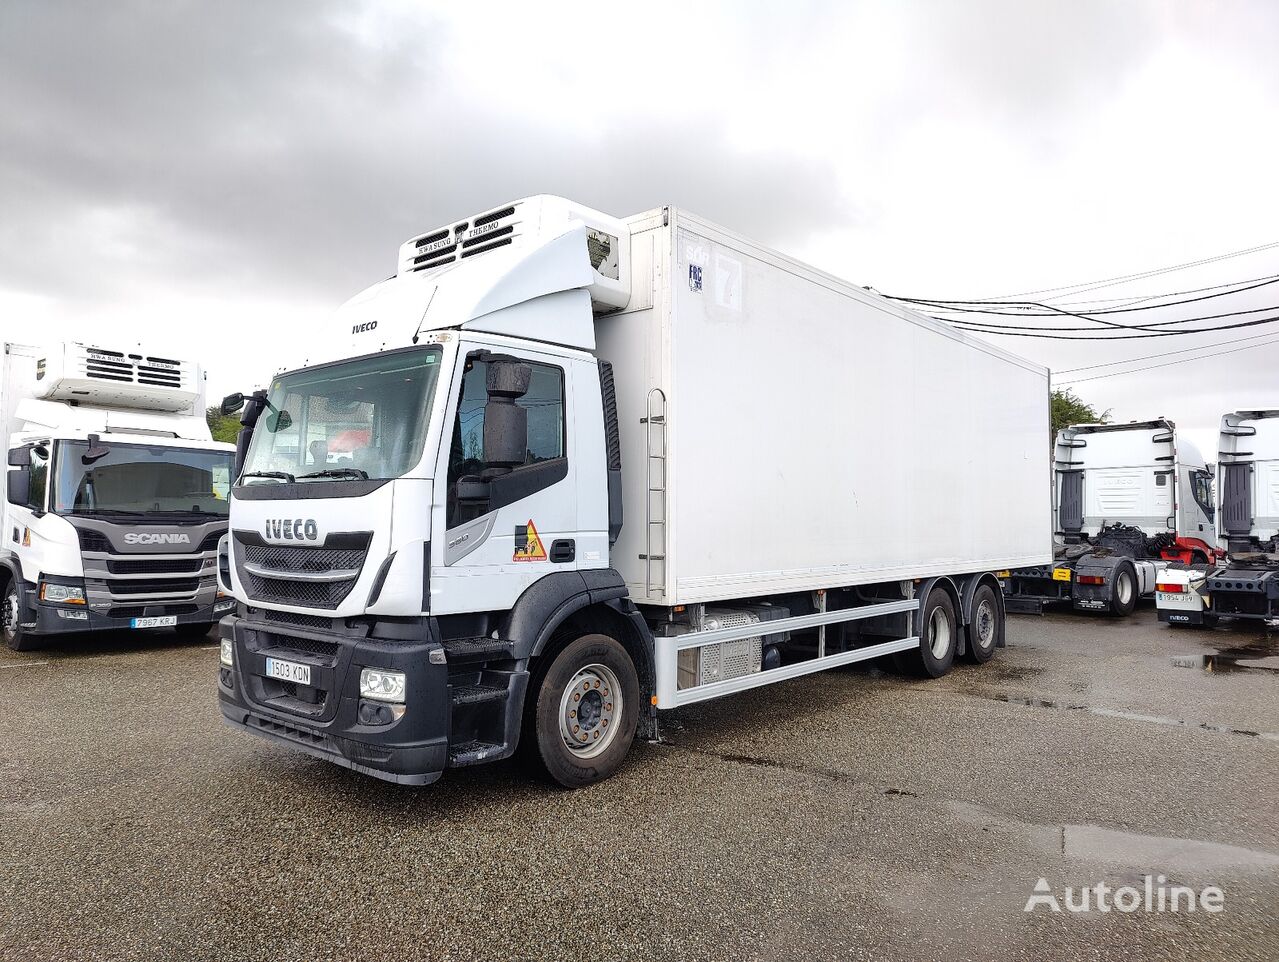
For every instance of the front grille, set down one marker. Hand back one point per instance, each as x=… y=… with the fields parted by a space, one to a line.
x=312 y=646
x=157 y=566
x=291 y=560
x=93 y=540
x=210 y=542
x=156 y=586
x=293 y=618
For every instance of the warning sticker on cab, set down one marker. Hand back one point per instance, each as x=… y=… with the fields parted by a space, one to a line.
x=528 y=546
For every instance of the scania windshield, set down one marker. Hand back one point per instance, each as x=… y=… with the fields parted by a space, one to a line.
x=101 y=476
x=365 y=418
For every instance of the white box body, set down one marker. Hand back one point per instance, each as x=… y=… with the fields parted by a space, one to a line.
x=815 y=434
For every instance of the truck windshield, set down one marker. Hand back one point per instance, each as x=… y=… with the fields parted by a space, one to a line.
x=115 y=478
x=365 y=418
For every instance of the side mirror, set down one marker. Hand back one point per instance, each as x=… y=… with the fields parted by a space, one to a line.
x=231 y=403
x=20 y=457
x=19 y=487
x=505 y=422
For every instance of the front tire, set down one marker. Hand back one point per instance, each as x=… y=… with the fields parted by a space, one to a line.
x=986 y=626
x=584 y=712
x=1123 y=599
x=938 y=633
x=10 y=621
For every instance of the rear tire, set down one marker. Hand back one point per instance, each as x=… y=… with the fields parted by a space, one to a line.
x=10 y=621
x=580 y=721
x=938 y=634
x=985 y=627
x=1123 y=599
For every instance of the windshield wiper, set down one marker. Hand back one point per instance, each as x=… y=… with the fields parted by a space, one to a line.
x=281 y=475
x=338 y=473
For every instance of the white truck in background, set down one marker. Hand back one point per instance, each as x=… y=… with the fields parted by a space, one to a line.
x=1128 y=501
x=563 y=472
x=115 y=495
x=1245 y=585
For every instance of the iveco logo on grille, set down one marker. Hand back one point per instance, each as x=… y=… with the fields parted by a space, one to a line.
x=147 y=537
x=291 y=529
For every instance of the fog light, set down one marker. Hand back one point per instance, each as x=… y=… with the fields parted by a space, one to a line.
x=73 y=615
x=382 y=685
x=61 y=594
x=371 y=713
x=224 y=605
x=227 y=655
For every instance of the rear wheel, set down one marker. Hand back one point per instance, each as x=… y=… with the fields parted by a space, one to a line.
x=10 y=621
x=1123 y=599
x=583 y=714
x=985 y=626
x=938 y=632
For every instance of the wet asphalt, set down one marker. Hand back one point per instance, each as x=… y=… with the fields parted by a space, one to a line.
x=855 y=814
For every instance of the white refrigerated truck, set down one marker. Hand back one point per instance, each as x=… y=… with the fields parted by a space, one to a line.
x=115 y=495
x=1128 y=501
x=563 y=472
x=1245 y=585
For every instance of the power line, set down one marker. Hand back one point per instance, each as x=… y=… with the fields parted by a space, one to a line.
x=1050 y=311
x=1155 y=326
x=1113 y=337
x=1111 y=281
x=1151 y=367
x=1147 y=357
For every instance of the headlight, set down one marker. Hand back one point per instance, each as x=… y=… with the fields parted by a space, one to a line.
x=228 y=652
x=62 y=594
x=382 y=685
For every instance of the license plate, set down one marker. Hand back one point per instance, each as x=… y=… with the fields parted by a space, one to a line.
x=288 y=671
x=160 y=621
x=1061 y=574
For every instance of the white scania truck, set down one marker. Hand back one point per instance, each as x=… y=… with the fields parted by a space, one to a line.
x=564 y=471
x=1128 y=500
x=115 y=495
x=1245 y=585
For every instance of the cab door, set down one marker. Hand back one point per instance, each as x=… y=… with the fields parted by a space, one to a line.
x=505 y=488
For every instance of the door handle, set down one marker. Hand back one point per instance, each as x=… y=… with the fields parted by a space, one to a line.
x=563 y=551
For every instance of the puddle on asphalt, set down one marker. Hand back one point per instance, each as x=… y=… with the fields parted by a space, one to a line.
x=1127 y=715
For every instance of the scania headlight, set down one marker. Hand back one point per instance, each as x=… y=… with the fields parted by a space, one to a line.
x=382 y=685
x=61 y=594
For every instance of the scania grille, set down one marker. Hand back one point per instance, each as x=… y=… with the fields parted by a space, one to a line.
x=154 y=586
x=302 y=576
x=138 y=566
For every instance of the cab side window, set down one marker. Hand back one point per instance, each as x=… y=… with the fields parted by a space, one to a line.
x=39 y=476
x=1201 y=485
x=498 y=456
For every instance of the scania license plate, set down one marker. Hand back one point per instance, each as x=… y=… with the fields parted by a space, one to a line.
x=288 y=671
x=160 y=621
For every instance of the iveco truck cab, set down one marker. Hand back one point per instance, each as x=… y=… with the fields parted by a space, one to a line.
x=1245 y=584
x=115 y=496
x=1128 y=501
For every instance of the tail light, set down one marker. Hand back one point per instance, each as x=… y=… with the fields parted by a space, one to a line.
x=1090 y=580
x=1172 y=589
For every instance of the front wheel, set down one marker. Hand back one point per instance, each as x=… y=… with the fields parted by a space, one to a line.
x=584 y=712
x=1124 y=595
x=11 y=621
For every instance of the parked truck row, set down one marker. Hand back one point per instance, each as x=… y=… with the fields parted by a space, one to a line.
x=1128 y=501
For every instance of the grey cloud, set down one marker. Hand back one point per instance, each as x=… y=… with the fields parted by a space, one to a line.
x=271 y=147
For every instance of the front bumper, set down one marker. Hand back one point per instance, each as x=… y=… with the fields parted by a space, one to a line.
x=322 y=719
x=42 y=618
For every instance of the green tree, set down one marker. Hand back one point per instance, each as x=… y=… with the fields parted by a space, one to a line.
x=223 y=427
x=1068 y=408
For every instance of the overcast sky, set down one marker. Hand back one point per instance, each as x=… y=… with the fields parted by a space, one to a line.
x=215 y=177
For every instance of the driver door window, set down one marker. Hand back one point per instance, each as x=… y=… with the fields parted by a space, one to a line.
x=478 y=483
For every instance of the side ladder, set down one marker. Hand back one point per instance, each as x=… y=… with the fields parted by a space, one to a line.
x=655 y=476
